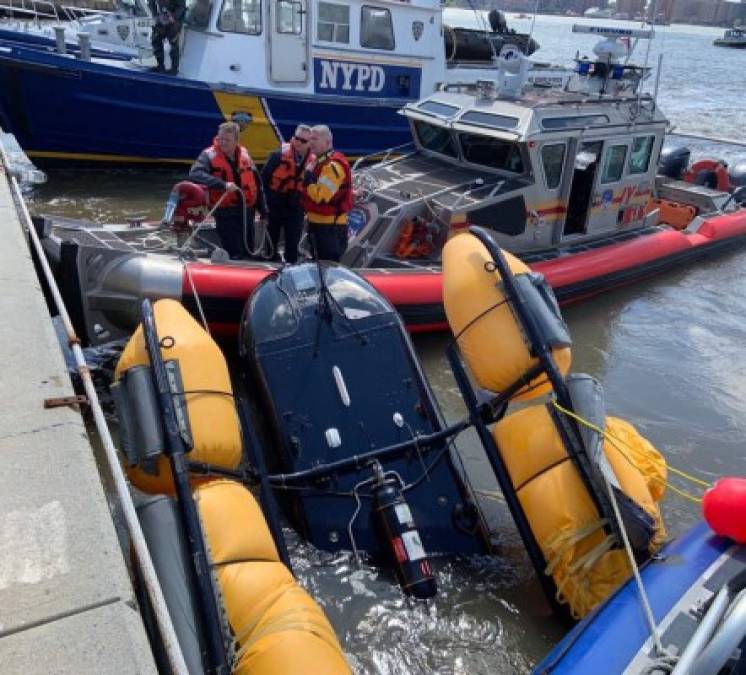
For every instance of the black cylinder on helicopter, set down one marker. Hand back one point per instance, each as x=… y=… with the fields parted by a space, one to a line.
x=396 y=526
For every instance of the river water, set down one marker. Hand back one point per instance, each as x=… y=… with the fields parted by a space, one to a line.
x=669 y=353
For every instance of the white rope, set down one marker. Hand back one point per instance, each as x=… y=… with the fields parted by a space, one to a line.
x=636 y=571
x=196 y=297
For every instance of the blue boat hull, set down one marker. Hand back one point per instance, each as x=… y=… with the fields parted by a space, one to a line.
x=61 y=108
x=609 y=638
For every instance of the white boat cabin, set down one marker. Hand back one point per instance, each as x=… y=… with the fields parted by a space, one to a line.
x=542 y=169
x=351 y=48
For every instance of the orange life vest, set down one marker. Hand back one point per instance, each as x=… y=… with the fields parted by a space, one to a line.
x=413 y=240
x=288 y=175
x=221 y=168
x=342 y=201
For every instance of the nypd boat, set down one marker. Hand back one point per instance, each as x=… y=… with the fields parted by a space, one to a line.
x=266 y=65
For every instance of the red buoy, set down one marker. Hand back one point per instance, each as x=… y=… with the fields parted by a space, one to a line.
x=724 y=508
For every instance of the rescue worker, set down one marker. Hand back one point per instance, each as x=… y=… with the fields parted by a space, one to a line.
x=226 y=167
x=283 y=178
x=327 y=197
x=168 y=18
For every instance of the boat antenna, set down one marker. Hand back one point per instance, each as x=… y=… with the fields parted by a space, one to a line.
x=533 y=23
x=652 y=10
x=481 y=21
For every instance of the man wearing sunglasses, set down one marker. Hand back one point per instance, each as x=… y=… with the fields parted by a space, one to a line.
x=283 y=177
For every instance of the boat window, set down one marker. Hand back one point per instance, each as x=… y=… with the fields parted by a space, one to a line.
x=642 y=148
x=198 y=14
x=489 y=120
x=492 y=152
x=289 y=17
x=435 y=138
x=574 y=122
x=241 y=16
x=553 y=159
x=614 y=165
x=440 y=109
x=376 y=28
x=334 y=23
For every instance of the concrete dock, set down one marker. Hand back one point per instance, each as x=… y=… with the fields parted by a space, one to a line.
x=66 y=601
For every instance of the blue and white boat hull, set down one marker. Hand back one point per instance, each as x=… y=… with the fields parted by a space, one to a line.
x=615 y=638
x=62 y=108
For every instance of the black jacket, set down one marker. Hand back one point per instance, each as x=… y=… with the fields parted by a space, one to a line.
x=176 y=8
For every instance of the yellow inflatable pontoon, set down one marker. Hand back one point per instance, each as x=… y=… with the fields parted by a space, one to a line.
x=562 y=497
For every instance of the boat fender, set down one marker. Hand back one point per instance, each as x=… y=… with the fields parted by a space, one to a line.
x=215 y=434
x=712 y=173
x=396 y=526
x=486 y=329
x=723 y=507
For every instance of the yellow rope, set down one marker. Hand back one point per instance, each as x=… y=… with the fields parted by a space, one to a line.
x=617 y=441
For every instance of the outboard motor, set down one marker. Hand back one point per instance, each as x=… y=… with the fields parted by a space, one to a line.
x=674 y=161
x=343 y=391
x=737 y=178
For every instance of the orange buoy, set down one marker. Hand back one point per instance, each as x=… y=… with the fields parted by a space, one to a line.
x=724 y=506
x=709 y=172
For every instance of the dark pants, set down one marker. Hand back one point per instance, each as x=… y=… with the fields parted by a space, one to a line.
x=170 y=32
x=229 y=223
x=328 y=242
x=290 y=220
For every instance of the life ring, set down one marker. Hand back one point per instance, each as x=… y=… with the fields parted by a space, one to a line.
x=709 y=172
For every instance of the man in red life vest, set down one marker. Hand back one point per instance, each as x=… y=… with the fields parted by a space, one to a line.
x=283 y=176
x=328 y=197
x=228 y=172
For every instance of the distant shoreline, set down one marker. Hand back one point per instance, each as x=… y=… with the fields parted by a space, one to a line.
x=464 y=4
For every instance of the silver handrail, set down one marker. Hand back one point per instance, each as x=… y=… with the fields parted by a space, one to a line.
x=386 y=154
x=725 y=640
x=703 y=633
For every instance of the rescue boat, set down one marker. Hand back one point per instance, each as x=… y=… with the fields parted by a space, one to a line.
x=573 y=181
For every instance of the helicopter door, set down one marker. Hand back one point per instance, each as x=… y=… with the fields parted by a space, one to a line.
x=581 y=191
x=288 y=42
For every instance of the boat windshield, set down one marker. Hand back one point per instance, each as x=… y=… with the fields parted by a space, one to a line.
x=436 y=139
x=494 y=153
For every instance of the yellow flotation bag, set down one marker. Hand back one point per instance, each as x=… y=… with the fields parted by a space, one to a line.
x=487 y=332
x=213 y=420
x=277 y=626
x=585 y=562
